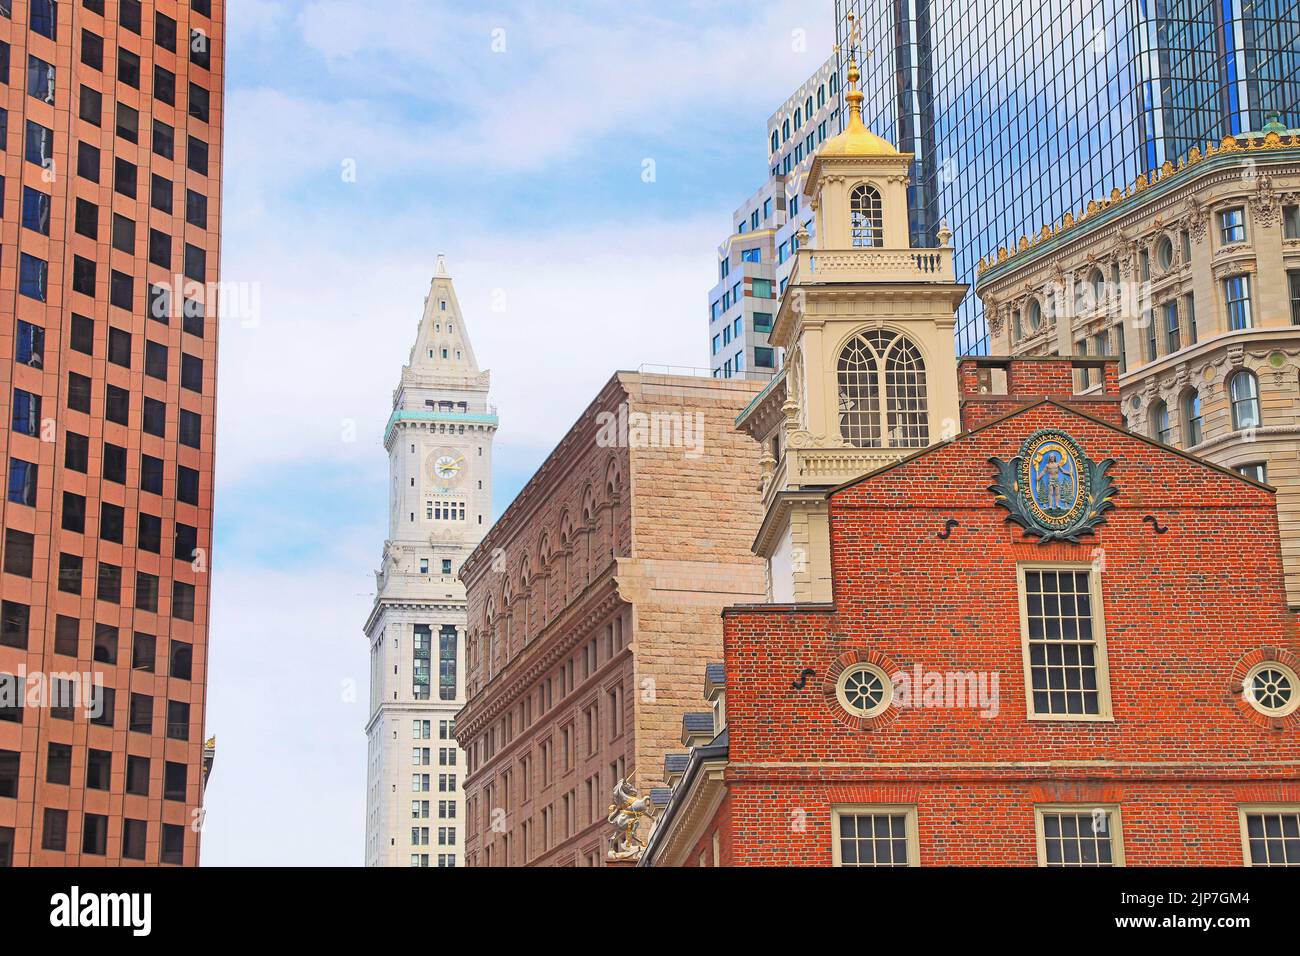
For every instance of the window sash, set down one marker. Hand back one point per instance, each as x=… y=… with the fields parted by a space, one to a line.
x=874 y=835
x=1066 y=672
x=1270 y=834
x=1079 y=835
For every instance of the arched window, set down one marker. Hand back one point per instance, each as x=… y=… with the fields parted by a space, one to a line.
x=835 y=83
x=1098 y=288
x=905 y=399
x=1243 y=390
x=776 y=140
x=865 y=216
x=1160 y=422
x=883 y=363
x=1192 y=418
x=544 y=564
x=489 y=643
x=526 y=594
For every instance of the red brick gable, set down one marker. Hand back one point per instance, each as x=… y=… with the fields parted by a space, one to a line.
x=1182 y=609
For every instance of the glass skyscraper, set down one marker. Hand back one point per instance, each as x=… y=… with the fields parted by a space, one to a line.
x=1020 y=111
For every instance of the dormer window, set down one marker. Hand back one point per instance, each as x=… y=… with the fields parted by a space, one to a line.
x=866 y=217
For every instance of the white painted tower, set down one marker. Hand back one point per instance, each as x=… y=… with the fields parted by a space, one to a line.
x=439 y=443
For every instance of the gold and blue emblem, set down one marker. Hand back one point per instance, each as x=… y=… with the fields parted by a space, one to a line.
x=1052 y=489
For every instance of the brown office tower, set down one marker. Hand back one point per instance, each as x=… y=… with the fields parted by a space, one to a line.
x=111 y=126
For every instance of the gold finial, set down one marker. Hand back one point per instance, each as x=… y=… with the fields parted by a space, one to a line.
x=854 y=96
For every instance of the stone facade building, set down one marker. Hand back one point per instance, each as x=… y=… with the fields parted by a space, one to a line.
x=594 y=603
x=1192 y=278
x=439 y=444
x=1014 y=669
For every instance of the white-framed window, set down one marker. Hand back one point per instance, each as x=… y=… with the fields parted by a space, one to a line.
x=1243 y=392
x=1272 y=688
x=875 y=835
x=1232 y=225
x=864 y=690
x=1192 y=418
x=866 y=216
x=1079 y=835
x=1270 y=834
x=1160 y=430
x=1064 y=642
x=1257 y=470
x=882 y=392
x=1236 y=298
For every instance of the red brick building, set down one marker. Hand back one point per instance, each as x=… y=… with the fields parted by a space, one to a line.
x=987 y=691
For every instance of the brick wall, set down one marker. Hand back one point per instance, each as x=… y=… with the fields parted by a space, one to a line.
x=1184 y=611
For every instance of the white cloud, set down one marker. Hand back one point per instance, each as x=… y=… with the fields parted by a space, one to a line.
x=288 y=784
x=421 y=86
x=338 y=321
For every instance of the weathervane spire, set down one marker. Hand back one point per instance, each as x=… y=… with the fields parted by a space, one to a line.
x=854 y=96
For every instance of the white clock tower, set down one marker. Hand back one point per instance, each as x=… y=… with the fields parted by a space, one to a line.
x=439 y=443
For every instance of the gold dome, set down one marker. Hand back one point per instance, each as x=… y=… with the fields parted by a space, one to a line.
x=857 y=140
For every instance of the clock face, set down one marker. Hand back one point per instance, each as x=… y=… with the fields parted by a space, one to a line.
x=445 y=466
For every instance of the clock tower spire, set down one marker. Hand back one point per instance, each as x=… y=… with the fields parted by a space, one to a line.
x=439 y=444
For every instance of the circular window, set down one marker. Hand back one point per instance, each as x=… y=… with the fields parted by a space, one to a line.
x=1165 y=252
x=864 y=690
x=1272 y=688
x=1035 y=314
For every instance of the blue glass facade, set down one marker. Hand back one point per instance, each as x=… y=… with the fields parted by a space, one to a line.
x=1020 y=111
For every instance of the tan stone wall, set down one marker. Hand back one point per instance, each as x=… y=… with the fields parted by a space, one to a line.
x=656 y=539
x=694 y=518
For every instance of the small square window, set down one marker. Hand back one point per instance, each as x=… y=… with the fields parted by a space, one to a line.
x=76 y=452
x=128 y=68
x=146 y=591
x=87 y=218
x=125 y=177
x=151 y=474
x=144 y=652
x=88 y=162
x=92 y=50
x=154 y=419
x=123 y=236
x=873 y=835
x=196 y=208
x=155 y=360
x=117 y=405
x=109 y=583
x=164 y=85
x=119 y=347
x=1082 y=835
x=19 y=549
x=112 y=521
x=187 y=485
x=74 y=512
x=191 y=428
x=78 y=392
x=70 y=573
x=114 y=463
x=91 y=105
x=160 y=193
x=182 y=601
x=149 y=533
